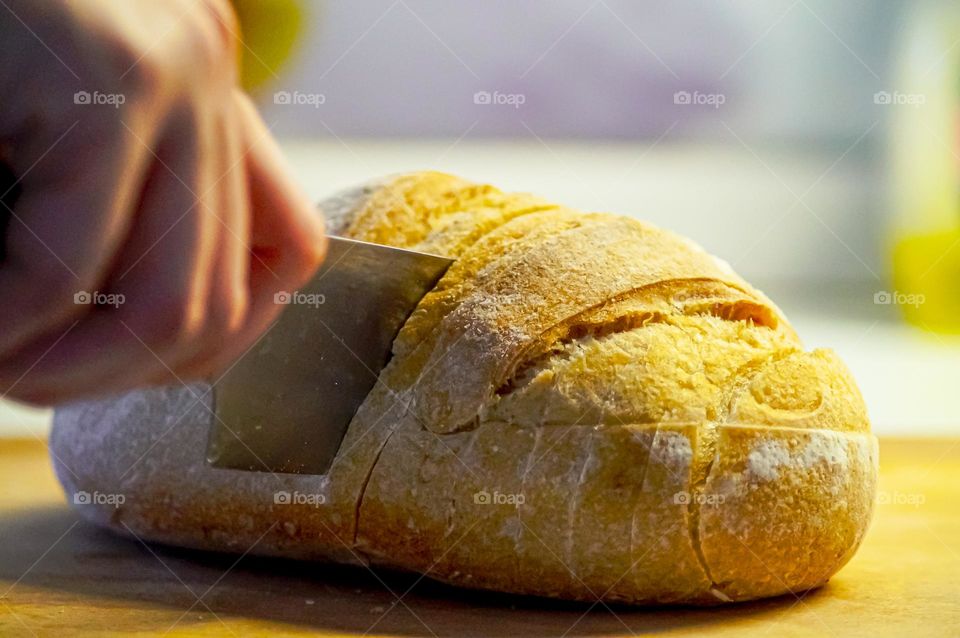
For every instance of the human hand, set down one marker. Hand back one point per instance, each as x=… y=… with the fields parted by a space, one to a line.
x=147 y=181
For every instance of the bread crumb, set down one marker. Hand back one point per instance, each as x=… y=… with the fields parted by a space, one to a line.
x=719 y=595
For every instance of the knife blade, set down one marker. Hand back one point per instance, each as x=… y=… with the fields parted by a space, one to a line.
x=285 y=405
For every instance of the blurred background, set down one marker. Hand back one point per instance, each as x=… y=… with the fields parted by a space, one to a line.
x=812 y=144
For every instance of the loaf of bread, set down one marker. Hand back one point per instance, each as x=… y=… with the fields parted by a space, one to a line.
x=585 y=407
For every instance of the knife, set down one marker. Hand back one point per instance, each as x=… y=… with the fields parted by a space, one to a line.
x=284 y=407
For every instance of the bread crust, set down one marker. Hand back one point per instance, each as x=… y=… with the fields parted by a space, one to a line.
x=585 y=407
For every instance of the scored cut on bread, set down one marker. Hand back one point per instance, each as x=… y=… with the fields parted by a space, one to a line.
x=584 y=407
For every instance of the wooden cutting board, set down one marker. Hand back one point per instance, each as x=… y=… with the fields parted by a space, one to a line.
x=61 y=577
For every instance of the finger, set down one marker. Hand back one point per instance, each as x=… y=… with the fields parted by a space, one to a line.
x=287 y=230
x=285 y=243
x=228 y=304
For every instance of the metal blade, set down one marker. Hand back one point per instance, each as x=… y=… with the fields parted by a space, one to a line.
x=285 y=406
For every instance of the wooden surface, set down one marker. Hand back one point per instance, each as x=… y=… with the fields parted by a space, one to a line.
x=61 y=577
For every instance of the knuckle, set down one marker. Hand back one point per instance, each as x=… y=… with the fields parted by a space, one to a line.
x=207 y=48
x=147 y=75
x=214 y=40
x=227 y=21
x=131 y=66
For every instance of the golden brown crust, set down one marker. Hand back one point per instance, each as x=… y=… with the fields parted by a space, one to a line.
x=791 y=507
x=584 y=407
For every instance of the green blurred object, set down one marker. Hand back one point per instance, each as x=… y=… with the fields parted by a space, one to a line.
x=925 y=158
x=270 y=30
